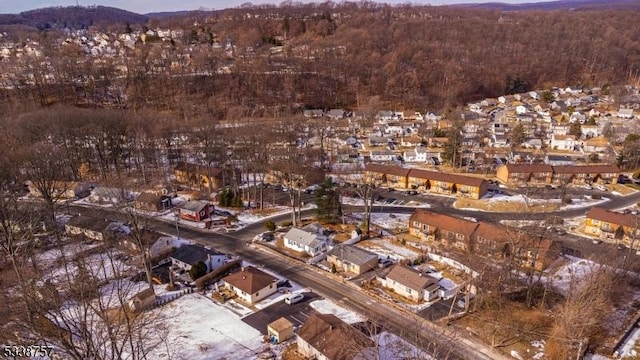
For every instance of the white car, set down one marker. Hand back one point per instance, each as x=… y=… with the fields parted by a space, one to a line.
x=600 y=187
x=294 y=299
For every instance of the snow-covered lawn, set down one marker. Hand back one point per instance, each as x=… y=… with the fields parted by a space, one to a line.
x=201 y=329
x=328 y=307
x=48 y=258
x=102 y=267
x=385 y=248
x=583 y=202
x=387 y=221
x=393 y=347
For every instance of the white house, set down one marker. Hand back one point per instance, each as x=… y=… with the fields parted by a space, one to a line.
x=303 y=241
x=521 y=109
x=251 y=284
x=189 y=255
x=382 y=156
x=625 y=113
x=412 y=284
x=563 y=142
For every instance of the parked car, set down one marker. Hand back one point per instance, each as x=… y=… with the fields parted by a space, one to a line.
x=462 y=302
x=600 y=187
x=294 y=298
x=383 y=263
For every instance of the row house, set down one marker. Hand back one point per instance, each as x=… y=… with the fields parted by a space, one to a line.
x=484 y=238
x=435 y=227
x=613 y=227
x=525 y=173
x=434 y=181
x=563 y=174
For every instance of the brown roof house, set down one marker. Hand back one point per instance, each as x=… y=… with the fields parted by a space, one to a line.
x=447 y=229
x=326 y=337
x=412 y=284
x=152 y=201
x=95 y=228
x=525 y=173
x=251 y=284
x=613 y=227
x=352 y=259
x=200 y=176
x=143 y=300
x=446 y=183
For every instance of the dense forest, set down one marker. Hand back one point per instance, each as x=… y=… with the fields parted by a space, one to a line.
x=353 y=55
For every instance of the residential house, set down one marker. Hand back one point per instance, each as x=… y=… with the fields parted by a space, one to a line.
x=306 y=242
x=449 y=230
x=313 y=113
x=152 y=201
x=586 y=174
x=326 y=337
x=195 y=210
x=412 y=284
x=186 y=256
x=383 y=156
x=103 y=194
x=525 y=174
x=251 y=284
x=143 y=300
x=386 y=175
x=555 y=160
x=352 y=259
x=625 y=113
x=94 y=228
x=62 y=189
x=200 y=176
x=446 y=183
x=378 y=141
x=613 y=226
x=336 y=114
x=598 y=144
x=563 y=142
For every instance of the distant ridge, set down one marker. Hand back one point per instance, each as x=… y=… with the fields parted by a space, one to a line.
x=557 y=5
x=73 y=17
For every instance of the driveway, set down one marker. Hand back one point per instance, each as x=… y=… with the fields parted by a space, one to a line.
x=296 y=313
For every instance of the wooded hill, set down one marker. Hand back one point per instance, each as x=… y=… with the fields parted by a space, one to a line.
x=358 y=55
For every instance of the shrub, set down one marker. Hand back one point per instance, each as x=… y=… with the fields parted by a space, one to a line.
x=596 y=196
x=636 y=174
x=333 y=268
x=286 y=223
x=270 y=225
x=567 y=200
x=198 y=270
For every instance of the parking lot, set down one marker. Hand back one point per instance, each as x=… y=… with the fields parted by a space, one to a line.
x=296 y=313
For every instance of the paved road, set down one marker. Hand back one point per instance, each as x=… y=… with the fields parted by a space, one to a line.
x=443 y=342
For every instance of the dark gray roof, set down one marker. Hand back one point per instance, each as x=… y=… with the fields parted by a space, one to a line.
x=192 y=254
x=193 y=205
x=352 y=254
x=89 y=223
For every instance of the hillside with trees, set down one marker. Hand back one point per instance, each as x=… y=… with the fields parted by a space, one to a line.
x=351 y=55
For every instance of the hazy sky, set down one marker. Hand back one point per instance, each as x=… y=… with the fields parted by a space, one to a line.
x=146 y=6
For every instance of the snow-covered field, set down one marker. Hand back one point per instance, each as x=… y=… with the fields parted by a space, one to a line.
x=328 y=307
x=387 y=221
x=201 y=329
x=386 y=249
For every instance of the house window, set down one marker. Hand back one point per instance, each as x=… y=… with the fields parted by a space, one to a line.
x=409 y=290
x=257 y=293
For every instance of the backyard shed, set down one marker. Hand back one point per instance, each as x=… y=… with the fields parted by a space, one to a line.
x=280 y=330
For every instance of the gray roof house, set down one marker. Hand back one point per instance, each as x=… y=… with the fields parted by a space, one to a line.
x=352 y=259
x=188 y=255
x=303 y=241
